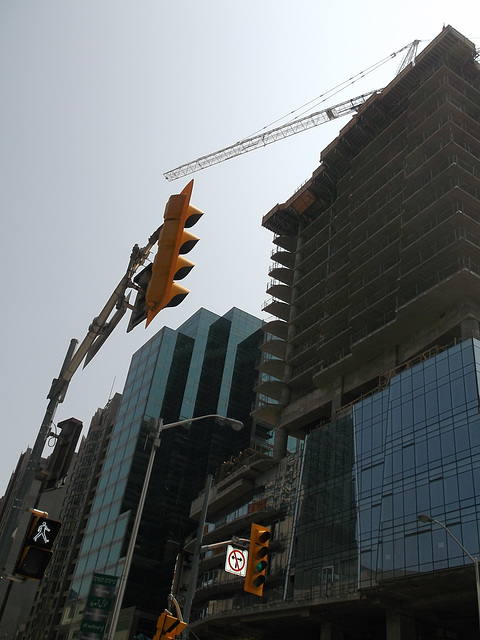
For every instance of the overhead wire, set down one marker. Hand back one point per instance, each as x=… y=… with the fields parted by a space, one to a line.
x=323 y=97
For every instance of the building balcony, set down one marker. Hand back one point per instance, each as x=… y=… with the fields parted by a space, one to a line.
x=283 y=257
x=274 y=347
x=272 y=389
x=286 y=242
x=278 y=328
x=266 y=411
x=272 y=367
x=281 y=291
x=282 y=274
x=238 y=482
x=278 y=309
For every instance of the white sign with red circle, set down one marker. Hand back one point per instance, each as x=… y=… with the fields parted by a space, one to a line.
x=236 y=561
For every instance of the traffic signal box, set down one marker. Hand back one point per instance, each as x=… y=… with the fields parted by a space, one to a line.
x=257 y=559
x=139 y=311
x=37 y=547
x=168 y=627
x=169 y=264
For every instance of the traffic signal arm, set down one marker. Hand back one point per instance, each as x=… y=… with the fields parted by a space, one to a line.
x=257 y=559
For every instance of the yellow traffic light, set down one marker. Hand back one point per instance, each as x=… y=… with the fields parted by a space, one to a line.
x=169 y=264
x=168 y=627
x=257 y=559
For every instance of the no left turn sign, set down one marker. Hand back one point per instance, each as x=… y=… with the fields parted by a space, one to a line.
x=236 y=561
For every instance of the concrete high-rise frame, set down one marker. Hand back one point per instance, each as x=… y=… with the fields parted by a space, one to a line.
x=372 y=361
x=378 y=254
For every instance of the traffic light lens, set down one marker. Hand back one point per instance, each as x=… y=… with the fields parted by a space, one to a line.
x=34 y=563
x=259 y=581
x=260 y=566
x=263 y=537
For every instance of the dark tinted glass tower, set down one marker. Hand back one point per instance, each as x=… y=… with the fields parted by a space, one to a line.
x=207 y=366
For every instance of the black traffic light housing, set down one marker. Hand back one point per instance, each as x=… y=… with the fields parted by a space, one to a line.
x=139 y=311
x=37 y=546
x=257 y=559
x=58 y=464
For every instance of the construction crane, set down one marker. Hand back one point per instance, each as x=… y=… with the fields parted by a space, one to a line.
x=267 y=137
x=294 y=126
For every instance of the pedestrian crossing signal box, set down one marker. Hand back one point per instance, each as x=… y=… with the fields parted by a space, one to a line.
x=37 y=547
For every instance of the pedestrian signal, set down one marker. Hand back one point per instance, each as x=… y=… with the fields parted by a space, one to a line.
x=37 y=546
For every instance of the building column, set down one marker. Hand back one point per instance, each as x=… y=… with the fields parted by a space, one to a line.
x=280 y=443
x=469 y=328
x=337 y=396
x=399 y=627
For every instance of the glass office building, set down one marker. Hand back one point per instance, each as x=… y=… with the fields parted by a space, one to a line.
x=412 y=448
x=348 y=549
x=417 y=451
x=207 y=366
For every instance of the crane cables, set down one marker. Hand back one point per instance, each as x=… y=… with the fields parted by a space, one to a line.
x=300 y=122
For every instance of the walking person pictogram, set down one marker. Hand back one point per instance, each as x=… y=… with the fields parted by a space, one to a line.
x=42 y=532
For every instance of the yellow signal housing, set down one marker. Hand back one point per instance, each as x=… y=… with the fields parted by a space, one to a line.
x=169 y=264
x=257 y=559
x=168 y=627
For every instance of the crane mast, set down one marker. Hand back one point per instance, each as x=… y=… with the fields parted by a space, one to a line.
x=267 y=137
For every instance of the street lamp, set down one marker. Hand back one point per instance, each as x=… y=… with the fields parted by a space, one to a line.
x=425 y=518
x=155 y=428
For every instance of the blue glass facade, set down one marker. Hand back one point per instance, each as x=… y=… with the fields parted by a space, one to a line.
x=417 y=450
x=409 y=449
x=206 y=366
x=105 y=532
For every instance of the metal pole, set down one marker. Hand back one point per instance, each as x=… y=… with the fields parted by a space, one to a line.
x=156 y=434
x=133 y=537
x=33 y=462
x=197 y=550
x=426 y=518
x=477 y=580
x=98 y=331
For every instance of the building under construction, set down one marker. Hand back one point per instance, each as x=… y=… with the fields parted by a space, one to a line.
x=370 y=360
x=378 y=255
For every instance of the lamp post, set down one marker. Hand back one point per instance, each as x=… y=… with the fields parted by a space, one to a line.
x=192 y=585
x=425 y=518
x=155 y=428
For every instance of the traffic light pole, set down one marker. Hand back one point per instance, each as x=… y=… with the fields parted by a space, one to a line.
x=98 y=332
x=101 y=327
x=192 y=585
x=33 y=464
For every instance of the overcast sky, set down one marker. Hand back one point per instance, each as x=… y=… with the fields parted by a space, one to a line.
x=98 y=99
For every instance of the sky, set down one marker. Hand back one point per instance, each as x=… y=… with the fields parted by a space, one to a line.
x=98 y=99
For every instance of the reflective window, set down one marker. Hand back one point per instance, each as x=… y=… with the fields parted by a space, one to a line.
x=428 y=427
